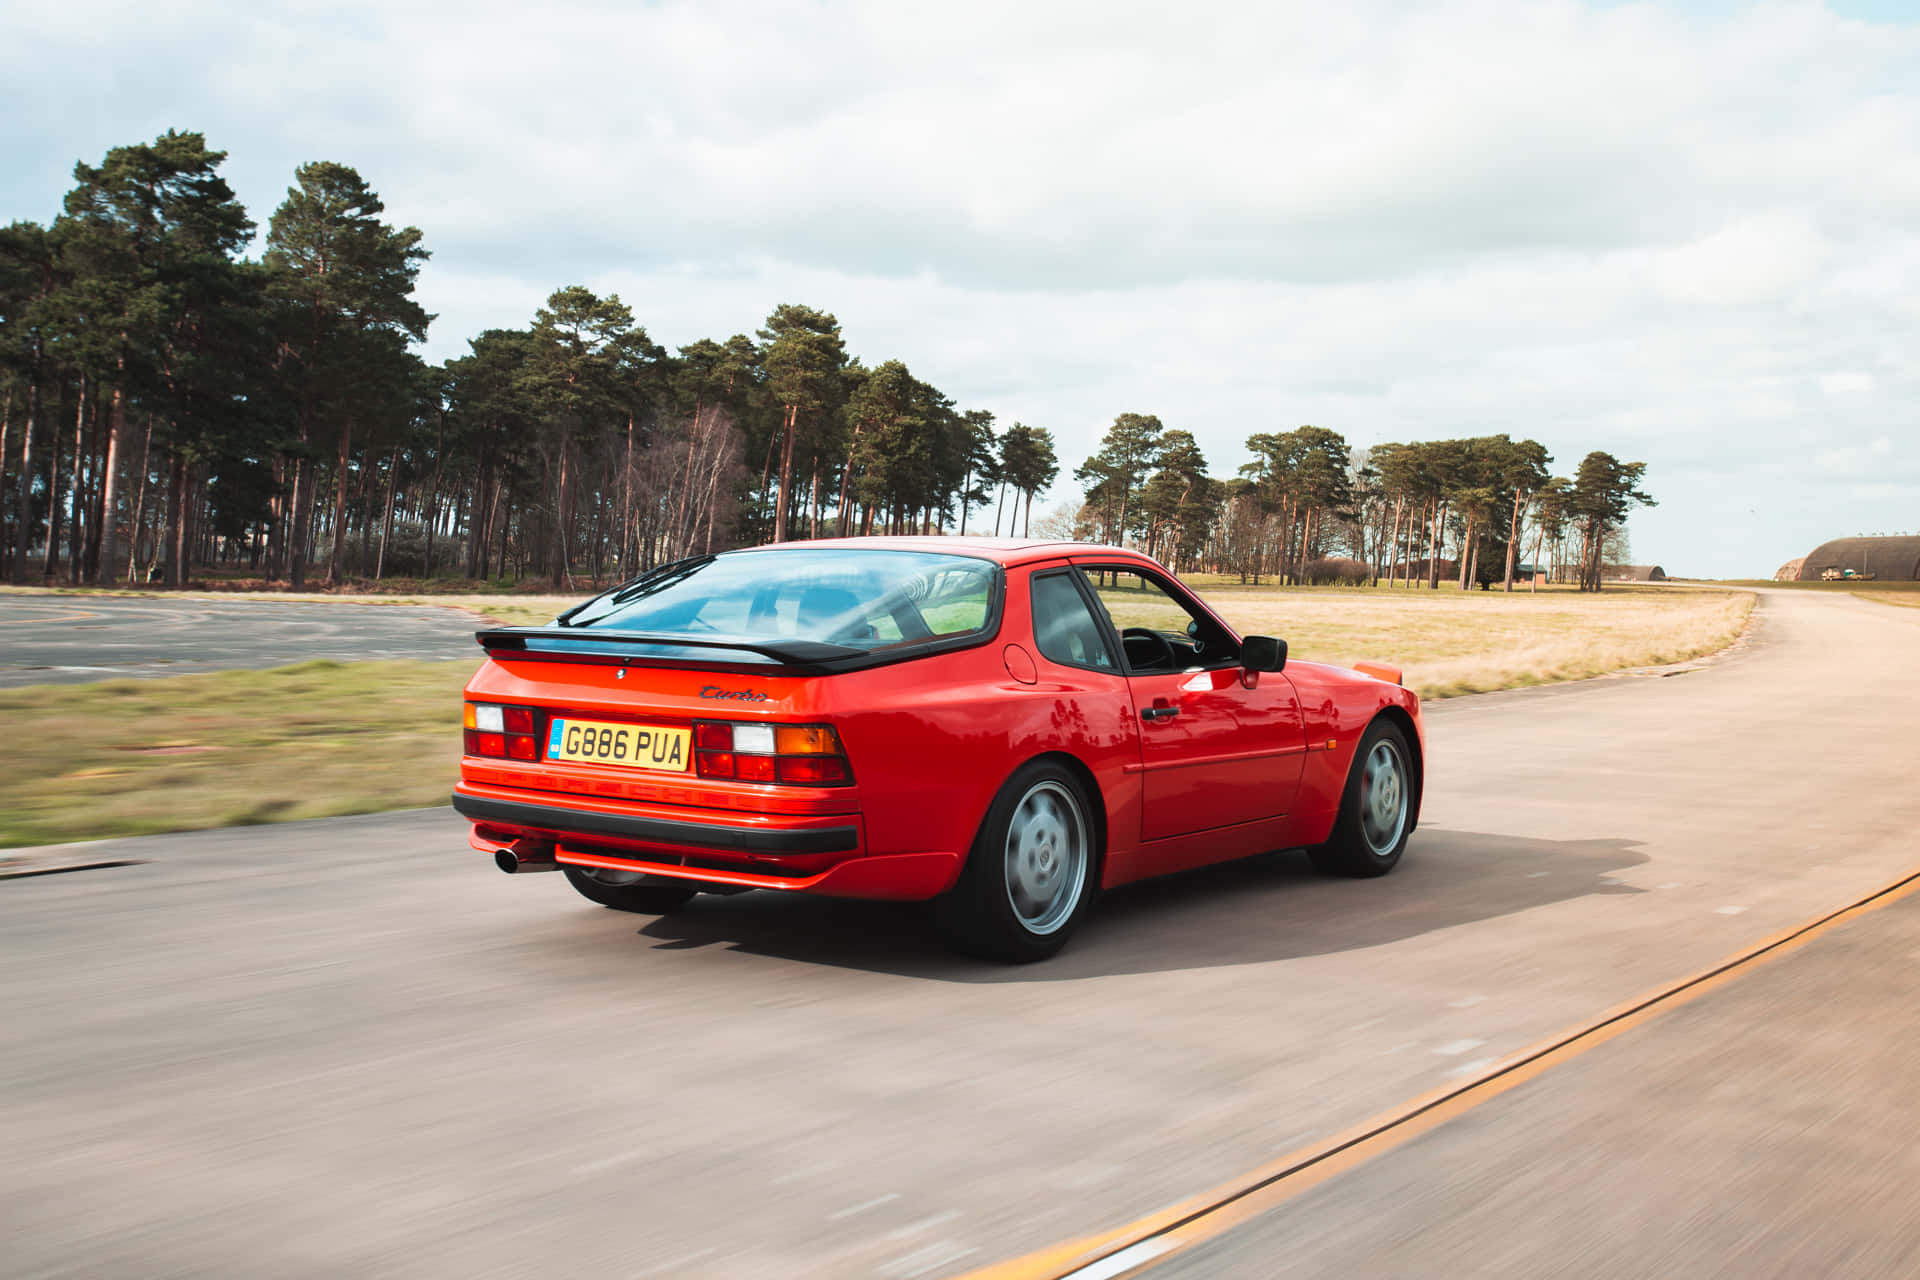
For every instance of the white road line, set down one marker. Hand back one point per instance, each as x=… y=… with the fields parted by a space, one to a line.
x=601 y=1166
x=1728 y=911
x=1120 y=1263
x=848 y=1212
x=925 y=1224
x=938 y=1255
x=1454 y=1048
x=672 y=1265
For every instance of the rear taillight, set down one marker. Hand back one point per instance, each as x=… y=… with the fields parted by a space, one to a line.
x=808 y=755
x=509 y=733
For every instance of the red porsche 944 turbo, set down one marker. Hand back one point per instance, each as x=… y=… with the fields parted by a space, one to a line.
x=1002 y=726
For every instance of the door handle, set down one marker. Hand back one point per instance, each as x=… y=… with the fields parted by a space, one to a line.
x=1151 y=714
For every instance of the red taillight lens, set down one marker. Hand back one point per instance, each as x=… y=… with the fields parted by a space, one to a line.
x=813 y=770
x=753 y=768
x=506 y=732
x=808 y=755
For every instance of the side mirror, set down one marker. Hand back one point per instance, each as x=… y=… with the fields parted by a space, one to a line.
x=1263 y=653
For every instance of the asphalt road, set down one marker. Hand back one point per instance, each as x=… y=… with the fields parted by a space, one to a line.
x=1765 y=1131
x=56 y=639
x=349 y=1047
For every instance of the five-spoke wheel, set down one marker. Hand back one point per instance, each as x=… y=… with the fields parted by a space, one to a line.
x=1031 y=874
x=1046 y=856
x=1371 y=831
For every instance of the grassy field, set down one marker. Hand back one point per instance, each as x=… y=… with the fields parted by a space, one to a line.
x=130 y=757
x=1450 y=643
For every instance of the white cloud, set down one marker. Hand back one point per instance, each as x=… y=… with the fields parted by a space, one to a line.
x=1687 y=239
x=1753 y=260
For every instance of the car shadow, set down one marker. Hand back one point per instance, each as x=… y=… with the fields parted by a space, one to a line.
x=1273 y=907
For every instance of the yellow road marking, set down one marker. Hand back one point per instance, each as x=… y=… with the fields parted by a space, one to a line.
x=1181 y=1226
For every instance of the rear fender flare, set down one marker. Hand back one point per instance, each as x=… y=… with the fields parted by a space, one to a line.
x=1096 y=801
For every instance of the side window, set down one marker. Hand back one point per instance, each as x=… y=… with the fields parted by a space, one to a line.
x=1063 y=626
x=1158 y=632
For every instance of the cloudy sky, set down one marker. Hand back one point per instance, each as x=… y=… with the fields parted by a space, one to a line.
x=1687 y=233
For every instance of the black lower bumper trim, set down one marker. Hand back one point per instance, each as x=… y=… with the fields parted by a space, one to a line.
x=702 y=835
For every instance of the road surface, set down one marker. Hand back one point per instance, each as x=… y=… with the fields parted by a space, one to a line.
x=70 y=639
x=351 y=1047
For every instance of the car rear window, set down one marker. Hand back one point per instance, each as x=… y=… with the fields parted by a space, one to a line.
x=855 y=598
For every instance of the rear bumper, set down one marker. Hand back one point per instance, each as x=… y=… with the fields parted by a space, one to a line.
x=814 y=854
x=567 y=819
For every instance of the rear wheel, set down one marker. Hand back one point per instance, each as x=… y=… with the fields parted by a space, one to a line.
x=1029 y=878
x=629 y=890
x=1377 y=809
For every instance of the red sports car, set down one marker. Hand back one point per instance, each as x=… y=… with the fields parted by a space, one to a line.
x=1003 y=726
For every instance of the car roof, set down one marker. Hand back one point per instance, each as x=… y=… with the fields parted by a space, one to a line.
x=1003 y=551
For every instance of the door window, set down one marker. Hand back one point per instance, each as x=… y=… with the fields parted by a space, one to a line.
x=1158 y=631
x=1064 y=627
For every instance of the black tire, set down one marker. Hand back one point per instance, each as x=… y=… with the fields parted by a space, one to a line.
x=648 y=895
x=1032 y=873
x=1376 y=810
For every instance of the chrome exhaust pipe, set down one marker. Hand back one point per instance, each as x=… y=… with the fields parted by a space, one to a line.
x=520 y=859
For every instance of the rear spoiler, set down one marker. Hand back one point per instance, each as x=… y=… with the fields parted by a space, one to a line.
x=603 y=644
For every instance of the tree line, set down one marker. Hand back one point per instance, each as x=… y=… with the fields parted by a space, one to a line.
x=1394 y=511
x=167 y=402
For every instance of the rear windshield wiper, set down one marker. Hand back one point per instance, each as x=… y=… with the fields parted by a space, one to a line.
x=652 y=580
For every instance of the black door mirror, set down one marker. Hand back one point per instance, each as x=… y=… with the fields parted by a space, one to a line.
x=1263 y=653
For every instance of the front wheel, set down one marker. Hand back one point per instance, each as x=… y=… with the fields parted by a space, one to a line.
x=1376 y=810
x=629 y=890
x=1029 y=877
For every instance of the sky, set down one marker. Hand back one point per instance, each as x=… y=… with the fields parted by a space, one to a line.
x=1684 y=233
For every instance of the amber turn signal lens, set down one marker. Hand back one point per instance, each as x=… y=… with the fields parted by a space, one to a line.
x=805 y=740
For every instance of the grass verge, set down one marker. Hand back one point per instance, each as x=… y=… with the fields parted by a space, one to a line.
x=230 y=748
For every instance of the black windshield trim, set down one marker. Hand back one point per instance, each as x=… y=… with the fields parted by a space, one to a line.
x=805 y=653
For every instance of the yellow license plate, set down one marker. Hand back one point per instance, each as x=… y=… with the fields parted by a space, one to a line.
x=638 y=746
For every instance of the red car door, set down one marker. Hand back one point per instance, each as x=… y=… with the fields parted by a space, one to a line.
x=1219 y=745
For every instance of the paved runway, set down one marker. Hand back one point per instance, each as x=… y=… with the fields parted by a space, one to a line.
x=350 y=1047
x=69 y=639
x=1766 y=1131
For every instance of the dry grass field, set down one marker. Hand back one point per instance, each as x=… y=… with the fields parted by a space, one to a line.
x=1450 y=642
x=129 y=757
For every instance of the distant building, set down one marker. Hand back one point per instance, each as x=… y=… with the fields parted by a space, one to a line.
x=1790 y=571
x=1897 y=559
x=1633 y=573
x=1421 y=569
